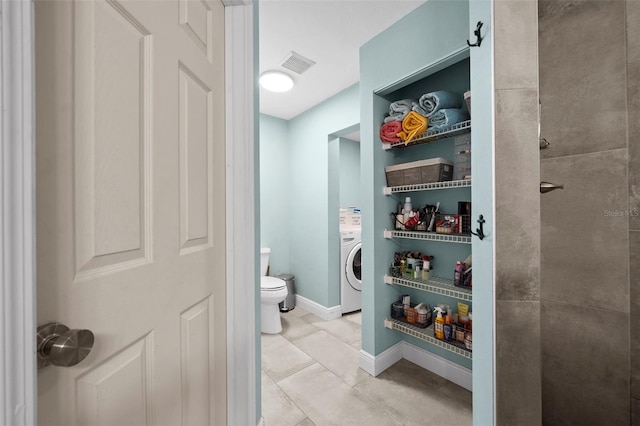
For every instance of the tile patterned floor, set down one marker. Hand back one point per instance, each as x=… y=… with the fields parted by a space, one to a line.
x=310 y=376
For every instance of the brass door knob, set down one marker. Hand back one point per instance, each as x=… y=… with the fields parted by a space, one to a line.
x=62 y=347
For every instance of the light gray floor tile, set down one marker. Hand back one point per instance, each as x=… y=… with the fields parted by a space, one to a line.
x=297 y=312
x=280 y=358
x=340 y=358
x=355 y=317
x=277 y=407
x=327 y=400
x=415 y=396
x=294 y=327
x=345 y=330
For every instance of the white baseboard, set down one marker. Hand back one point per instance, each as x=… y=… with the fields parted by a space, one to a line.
x=444 y=368
x=317 y=309
x=451 y=371
x=261 y=422
x=375 y=365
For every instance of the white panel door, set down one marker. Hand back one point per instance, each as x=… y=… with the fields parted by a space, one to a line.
x=130 y=214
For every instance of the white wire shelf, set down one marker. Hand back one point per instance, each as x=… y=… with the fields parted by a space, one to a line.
x=388 y=190
x=435 y=285
x=426 y=335
x=432 y=136
x=428 y=236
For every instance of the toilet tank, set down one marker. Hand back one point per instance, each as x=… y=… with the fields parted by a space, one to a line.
x=264 y=260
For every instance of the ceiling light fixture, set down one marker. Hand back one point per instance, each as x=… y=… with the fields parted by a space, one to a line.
x=276 y=81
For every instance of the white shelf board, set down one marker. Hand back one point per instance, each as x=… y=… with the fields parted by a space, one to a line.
x=388 y=190
x=428 y=236
x=426 y=335
x=435 y=285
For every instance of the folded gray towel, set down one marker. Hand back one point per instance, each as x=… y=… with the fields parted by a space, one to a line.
x=431 y=102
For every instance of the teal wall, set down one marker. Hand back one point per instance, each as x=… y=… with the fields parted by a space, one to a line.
x=300 y=173
x=349 y=173
x=312 y=237
x=275 y=194
x=442 y=28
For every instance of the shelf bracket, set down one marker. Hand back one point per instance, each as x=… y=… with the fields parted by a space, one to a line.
x=386 y=190
x=388 y=234
x=388 y=324
x=388 y=280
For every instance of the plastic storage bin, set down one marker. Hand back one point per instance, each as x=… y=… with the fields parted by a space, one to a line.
x=423 y=171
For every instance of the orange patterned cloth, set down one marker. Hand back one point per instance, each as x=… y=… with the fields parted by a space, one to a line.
x=413 y=125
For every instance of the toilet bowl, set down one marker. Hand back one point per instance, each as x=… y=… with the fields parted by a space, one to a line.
x=272 y=292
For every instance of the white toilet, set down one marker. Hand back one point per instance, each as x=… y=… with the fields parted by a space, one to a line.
x=272 y=291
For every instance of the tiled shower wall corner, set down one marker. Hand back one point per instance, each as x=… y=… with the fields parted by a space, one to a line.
x=633 y=111
x=517 y=236
x=589 y=242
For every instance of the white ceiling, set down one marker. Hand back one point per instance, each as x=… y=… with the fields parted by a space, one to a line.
x=329 y=32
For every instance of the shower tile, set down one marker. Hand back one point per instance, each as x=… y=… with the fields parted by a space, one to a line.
x=585 y=365
x=277 y=407
x=518 y=356
x=582 y=76
x=405 y=386
x=281 y=358
x=516 y=44
x=635 y=412
x=633 y=28
x=315 y=388
x=584 y=231
x=340 y=358
x=517 y=195
x=633 y=100
x=634 y=282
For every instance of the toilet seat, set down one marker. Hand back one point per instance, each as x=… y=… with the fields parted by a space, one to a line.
x=271 y=284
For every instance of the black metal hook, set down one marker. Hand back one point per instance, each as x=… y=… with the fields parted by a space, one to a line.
x=480 y=231
x=478 y=36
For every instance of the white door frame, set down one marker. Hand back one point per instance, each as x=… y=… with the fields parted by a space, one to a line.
x=18 y=373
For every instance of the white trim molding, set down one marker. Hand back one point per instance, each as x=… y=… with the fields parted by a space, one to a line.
x=451 y=371
x=18 y=389
x=242 y=273
x=317 y=309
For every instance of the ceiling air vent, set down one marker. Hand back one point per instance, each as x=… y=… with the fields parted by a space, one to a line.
x=297 y=63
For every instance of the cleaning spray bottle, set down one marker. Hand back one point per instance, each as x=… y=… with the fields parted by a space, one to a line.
x=439 y=324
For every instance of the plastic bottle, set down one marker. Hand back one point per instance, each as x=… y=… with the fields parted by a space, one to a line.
x=426 y=267
x=447 y=328
x=438 y=329
x=457 y=276
x=406 y=211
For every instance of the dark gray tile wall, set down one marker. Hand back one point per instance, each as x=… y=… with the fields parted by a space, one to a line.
x=517 y=215
x=633 y=120
x=587 y=253
x=634 y=281
x=584 y=232
x=517 y=202
x=635 y=412
x=633 y=99
x=582 y=76
x=517 y=349
x=585 y=358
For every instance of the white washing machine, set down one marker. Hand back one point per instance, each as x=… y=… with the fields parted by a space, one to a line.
x=351 y=271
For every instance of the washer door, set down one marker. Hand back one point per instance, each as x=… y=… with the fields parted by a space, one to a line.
x=353 y=268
